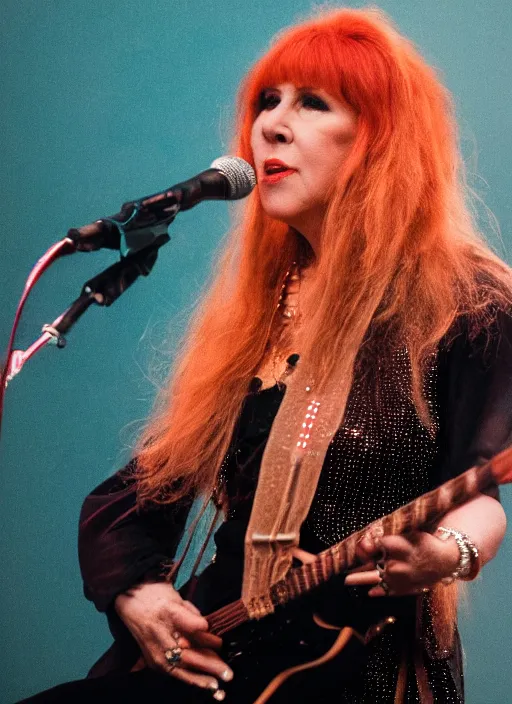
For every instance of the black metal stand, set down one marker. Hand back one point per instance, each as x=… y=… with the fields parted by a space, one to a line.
x=108 y=285
x=102 y=290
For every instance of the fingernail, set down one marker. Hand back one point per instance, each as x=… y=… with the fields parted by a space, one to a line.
x=227 y=675
x=219 y=695
x=213 y=686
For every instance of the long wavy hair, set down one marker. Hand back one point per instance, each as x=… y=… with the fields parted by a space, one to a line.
x=399 y=242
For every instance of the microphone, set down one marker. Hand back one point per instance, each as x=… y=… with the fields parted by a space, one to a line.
x=144 y=221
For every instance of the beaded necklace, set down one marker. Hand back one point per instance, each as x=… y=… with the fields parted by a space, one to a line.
x=284 y=324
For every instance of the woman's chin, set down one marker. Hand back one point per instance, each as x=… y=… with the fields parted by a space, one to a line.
x=288 y=216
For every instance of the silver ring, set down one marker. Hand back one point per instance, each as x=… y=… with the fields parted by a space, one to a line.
x=176 y=636
x=173 y=656
x=380 y=566
x=384 y=585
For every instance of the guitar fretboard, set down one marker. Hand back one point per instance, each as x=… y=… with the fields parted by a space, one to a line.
x=422 y=513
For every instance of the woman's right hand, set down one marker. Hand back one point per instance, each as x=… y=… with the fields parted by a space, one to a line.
x=154 y=612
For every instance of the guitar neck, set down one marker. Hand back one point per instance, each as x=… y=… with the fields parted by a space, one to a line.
x=420 y=514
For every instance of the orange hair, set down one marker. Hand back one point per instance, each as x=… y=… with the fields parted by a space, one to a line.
x=399 y=245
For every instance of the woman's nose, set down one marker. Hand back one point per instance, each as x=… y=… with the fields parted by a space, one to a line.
x=276 y=128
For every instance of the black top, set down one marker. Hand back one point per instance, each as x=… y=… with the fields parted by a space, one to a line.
x=380 y=458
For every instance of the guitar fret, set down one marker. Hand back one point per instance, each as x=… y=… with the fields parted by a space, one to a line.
x=314 y=573
x=296 y=582
x=335 y=552
x=444 y=497
x=390 y=524
x=330 y=562
x=348 y=549
x=421 y=513
x=292 y=592
x=398 y=521
x=418 y=514
x=331 y=552
x=305 y=578
x=324 y=567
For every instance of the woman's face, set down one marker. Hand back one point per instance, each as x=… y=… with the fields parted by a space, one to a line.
x=299 y=140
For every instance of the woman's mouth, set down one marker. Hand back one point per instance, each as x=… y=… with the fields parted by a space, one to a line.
x=277 y=176
x=274 y=170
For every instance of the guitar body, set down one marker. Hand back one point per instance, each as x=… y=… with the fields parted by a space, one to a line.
x=283 y=648
x=276 y=654
x=315 y=617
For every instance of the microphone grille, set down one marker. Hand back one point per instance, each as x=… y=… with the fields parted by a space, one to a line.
x=239 y=174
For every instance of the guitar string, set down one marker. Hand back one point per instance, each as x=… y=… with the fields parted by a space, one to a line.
x=425 y=507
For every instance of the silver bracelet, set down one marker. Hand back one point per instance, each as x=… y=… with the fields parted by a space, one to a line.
x=469 y=557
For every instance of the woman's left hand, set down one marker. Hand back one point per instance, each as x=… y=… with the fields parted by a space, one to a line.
x=409 y=564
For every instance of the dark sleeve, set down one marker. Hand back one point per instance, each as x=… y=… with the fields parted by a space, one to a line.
x=475 y=378
x=119 y=545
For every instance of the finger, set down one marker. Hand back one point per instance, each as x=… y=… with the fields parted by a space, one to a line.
x=206 y=661
x=379 y=591
x=303 y=556
x=369 y=546
x=398 y=570
x=139 y=665
x=357 y=578
x=206 y=640
x=366 y=548
x=362 y=568
x=191 y=607
x=397 y=547
x=181 y=640
x=184 y=621
x=418 y=536
x=193 y=678
x=203 y=639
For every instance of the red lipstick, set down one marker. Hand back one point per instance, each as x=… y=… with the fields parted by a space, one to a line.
x=274 y=170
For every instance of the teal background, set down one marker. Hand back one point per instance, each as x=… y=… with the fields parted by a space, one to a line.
x=104 y=101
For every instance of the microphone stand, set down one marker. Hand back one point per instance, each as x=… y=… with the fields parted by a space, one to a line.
x=103 y=290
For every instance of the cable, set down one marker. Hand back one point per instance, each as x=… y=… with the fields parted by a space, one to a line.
x=57 y=250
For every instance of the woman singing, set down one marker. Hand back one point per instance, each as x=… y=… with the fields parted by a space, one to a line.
x=353 y=352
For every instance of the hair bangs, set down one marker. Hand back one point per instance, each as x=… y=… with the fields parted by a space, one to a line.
x=312 y=59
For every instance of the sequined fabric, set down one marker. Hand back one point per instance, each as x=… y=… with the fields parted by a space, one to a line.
x=381 y=458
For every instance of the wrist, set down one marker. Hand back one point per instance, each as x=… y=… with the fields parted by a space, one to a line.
x=450 y=556
x=468 y=559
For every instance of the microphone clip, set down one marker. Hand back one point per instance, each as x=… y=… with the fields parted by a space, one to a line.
x=137 y=226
